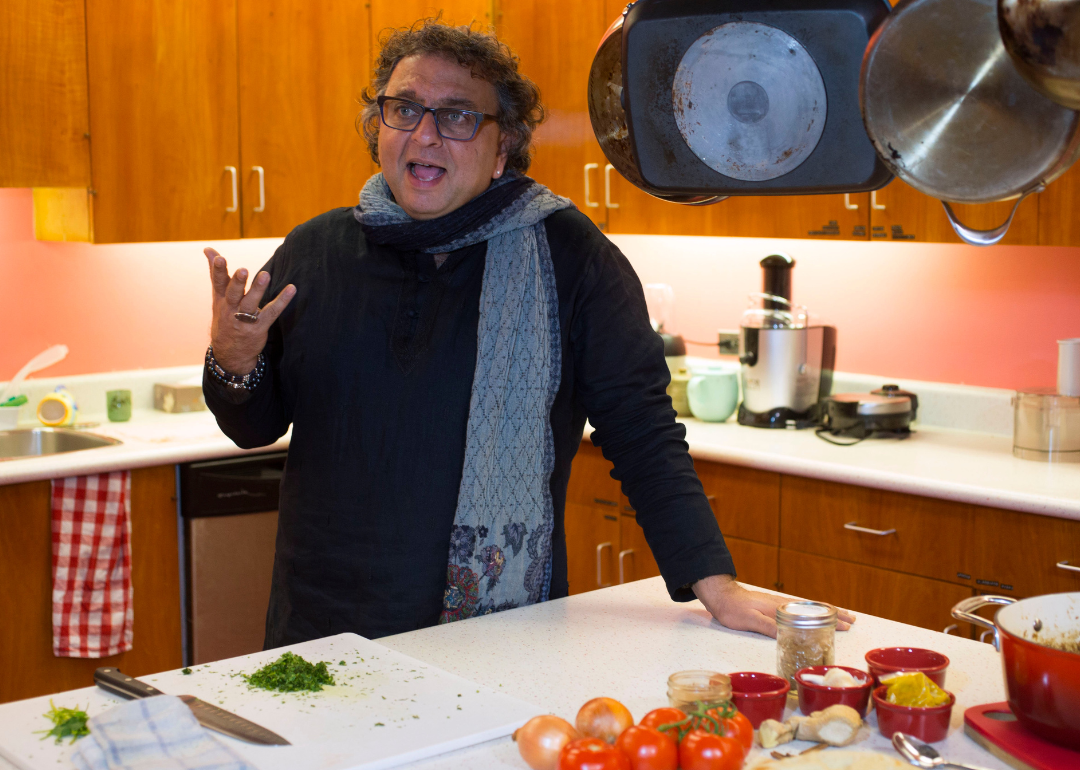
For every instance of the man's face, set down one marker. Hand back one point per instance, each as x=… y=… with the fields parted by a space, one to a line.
x=428 y=175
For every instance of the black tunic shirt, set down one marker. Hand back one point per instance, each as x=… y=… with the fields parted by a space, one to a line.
x=372 y=364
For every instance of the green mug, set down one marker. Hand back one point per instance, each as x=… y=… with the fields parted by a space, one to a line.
x=118 y=405
x=713 y=393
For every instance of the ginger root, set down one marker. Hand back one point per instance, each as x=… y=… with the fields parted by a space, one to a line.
x=837 y=726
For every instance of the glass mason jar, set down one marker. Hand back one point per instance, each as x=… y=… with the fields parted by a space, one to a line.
x=805 y=636
x=687 y=688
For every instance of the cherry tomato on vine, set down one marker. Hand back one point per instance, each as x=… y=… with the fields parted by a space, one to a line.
x=663 y=716
x=592 y=754
x=648 y=748
x=702 y=750
x=737 y=727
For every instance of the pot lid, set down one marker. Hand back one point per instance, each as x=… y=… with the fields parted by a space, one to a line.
x=948 y=112
x=870 y=404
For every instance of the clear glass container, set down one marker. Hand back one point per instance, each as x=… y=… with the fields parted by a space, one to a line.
x=805 y=636
x=767 y=311
x=1046 y=426
x=687 y=688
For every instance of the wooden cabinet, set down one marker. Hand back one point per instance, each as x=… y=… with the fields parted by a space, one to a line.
x=44 y=122
x=746 y=501
x=556 y=53
x=302 y=68
x=755 y=563
x=29 y=667
x=861 y=588
x=1059 y=207
x=899 y=212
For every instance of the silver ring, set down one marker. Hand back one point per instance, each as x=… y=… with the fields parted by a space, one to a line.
x=248 y=318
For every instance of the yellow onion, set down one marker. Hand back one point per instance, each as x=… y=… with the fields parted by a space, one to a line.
x=603 y=718
x=541 y=739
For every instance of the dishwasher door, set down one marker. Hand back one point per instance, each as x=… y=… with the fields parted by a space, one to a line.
x=229 y=508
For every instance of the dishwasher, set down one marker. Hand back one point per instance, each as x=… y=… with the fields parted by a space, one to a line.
x=228 y=511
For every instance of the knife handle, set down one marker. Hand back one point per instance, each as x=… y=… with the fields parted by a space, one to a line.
x=113 y=681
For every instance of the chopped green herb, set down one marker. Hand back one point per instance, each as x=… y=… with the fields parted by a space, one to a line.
x=341 y=663
x=67 y=723
x=185 y=671
x=291 y=673
x=379 y=724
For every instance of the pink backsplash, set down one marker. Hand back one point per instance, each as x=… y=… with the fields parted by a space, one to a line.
x=944 y=313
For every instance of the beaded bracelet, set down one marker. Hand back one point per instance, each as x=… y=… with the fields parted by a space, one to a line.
x=248 y=381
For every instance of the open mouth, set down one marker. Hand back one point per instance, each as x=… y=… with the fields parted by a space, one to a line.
x=425 y=172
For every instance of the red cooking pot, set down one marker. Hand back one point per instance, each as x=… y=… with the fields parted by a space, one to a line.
x=1039 y=641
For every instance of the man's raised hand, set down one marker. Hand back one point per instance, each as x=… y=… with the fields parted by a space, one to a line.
x=237 y=343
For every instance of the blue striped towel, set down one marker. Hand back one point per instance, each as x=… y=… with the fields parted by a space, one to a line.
x=158 y=733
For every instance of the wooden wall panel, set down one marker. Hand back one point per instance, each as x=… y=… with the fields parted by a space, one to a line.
x=44 y=121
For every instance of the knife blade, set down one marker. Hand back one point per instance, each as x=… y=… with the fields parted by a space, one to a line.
x=212 y=717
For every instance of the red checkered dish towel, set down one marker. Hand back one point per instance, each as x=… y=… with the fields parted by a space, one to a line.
x=91 y=550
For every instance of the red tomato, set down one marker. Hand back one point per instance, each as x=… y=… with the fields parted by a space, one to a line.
x=738 y=727
x=592 y=754
x=664 y=716
x=648 y=748
x=700 y=750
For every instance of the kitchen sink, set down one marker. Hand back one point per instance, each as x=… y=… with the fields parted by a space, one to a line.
x=35 y=442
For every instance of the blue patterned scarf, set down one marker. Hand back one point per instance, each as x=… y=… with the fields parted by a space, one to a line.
x=500 y=544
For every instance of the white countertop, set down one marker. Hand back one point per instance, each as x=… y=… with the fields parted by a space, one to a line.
x=623 y=642
x=936 y=462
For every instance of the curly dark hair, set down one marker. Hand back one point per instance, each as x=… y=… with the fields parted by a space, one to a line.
x=520 y=110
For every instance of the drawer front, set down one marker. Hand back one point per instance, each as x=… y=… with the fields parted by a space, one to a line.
x=1017 y=554
x=755 y=563
x=905 y=598
x=917 y=535
x=746 y=501
x=635 y=559
x=591 y=482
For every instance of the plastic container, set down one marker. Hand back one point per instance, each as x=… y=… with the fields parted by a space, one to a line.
x=889 y=660
x=1046 y=426
x=815 y=697
x=759 y=696
x=927 y=724
x=805 y=636
x=687 y=688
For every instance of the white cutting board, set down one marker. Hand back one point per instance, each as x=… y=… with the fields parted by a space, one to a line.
x=423 y=710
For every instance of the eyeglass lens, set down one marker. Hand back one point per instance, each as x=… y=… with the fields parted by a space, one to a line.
x=405 y=115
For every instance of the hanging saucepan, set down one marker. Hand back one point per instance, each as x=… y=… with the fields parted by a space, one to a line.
x=1039 y=640
x=950 y=115
x=1043 y=38
x=609 y=120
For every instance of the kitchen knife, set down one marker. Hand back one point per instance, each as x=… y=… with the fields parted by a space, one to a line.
x=111 y=680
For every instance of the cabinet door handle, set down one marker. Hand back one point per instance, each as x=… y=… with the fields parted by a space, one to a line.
x=1068 y=567
x=262 y=189
x=235 y=191
x=874 y=204
x=986 y=633
x=599 y=571
x=589 y=167
x=949 y=629
x=879 y=532
x=849 y=205
x=622 y=555
x=607 y=187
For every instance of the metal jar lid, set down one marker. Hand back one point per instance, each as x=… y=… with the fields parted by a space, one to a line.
x=806 y=614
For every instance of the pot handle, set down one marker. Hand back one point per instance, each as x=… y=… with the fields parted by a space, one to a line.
x=986 y=237
x=965 y=610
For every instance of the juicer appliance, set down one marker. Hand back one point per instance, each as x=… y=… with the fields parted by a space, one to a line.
x=787 y=363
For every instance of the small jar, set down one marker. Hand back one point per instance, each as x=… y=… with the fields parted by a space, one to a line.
x=805 y=636
x=687 y=688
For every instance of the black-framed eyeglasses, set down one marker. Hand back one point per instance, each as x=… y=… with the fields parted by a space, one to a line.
x=451 y=122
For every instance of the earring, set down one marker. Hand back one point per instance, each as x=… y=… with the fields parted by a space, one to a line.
x=498 y=173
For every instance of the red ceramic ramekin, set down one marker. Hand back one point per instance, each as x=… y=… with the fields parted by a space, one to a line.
x=888 y=660
x=759 y=696
x=815 y=697
x=927 y=724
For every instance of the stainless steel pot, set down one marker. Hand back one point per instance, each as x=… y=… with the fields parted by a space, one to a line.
x=1043 y=39
x=950 y=115
x=609 y=119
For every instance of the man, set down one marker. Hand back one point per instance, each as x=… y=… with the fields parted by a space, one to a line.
x=437 y=351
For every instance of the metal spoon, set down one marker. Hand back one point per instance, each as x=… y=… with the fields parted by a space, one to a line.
x=919 y=754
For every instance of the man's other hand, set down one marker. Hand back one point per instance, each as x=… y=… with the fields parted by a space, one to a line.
x=735 y=607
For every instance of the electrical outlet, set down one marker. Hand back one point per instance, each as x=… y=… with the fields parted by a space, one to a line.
x=729 y=342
